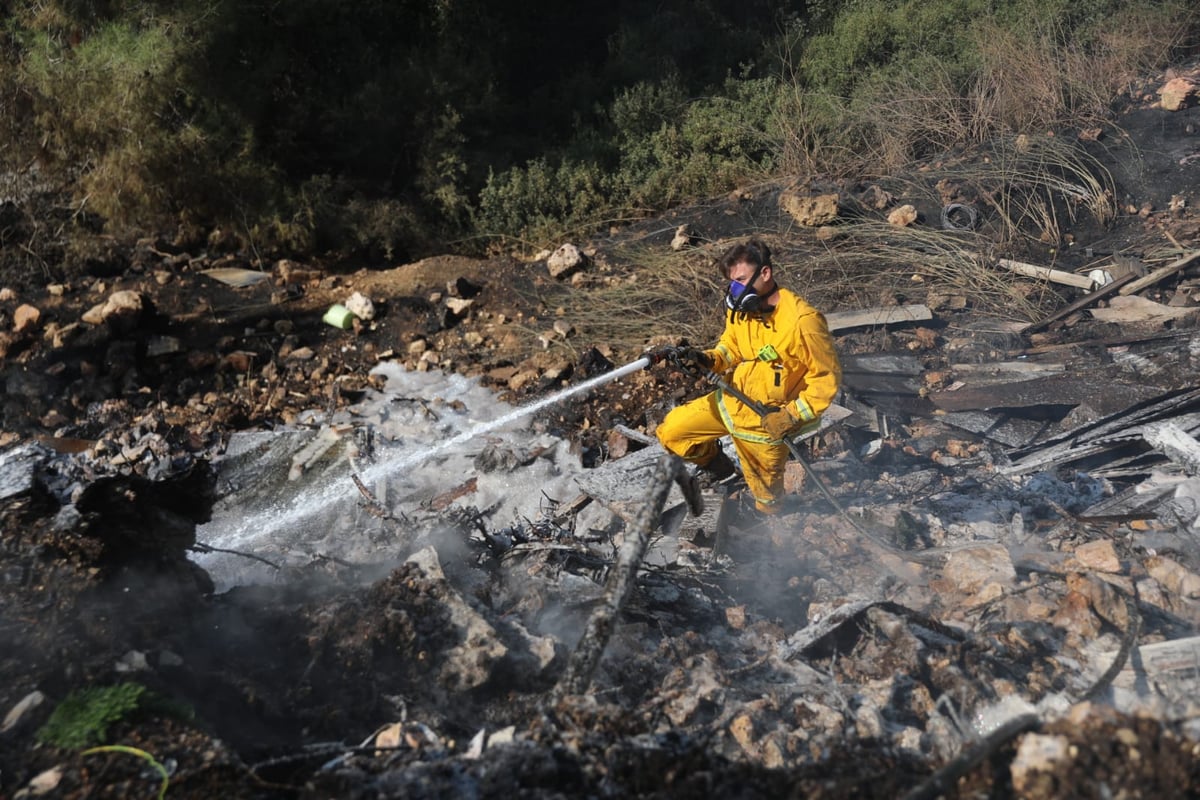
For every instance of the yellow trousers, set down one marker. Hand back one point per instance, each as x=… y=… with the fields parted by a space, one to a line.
x=691 y=431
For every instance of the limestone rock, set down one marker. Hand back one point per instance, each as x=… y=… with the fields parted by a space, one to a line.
x=469 y=664
x=682 y=240
x=972 y=568
x=566 y=261
x=1176 y=94
x=361 y=306
x=1173 y=576
x=458 y=306
x=902 y=217
x=1099 y=555
x=122 y=311
x=876 y=197
x=26 y=318
x=1037 y=754
x=812 y=211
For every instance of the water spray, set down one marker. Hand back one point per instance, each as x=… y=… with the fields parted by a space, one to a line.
x=382 y=469
x=293 y=510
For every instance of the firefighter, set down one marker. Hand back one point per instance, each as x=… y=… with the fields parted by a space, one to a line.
x=777 y=351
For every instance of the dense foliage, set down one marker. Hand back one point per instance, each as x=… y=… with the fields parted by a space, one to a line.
x=388 y=130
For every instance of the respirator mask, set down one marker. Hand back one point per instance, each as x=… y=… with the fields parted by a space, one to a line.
x=741 y=298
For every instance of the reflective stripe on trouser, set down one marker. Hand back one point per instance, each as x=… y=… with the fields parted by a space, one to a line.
x=691 y=430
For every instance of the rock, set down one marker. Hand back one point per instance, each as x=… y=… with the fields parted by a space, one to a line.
x=1074 y=615
x=1103 y=598
x=20 y=712
x=868 y=721
x=239 y=360
x=973 y=568
x=903 y=216
x=501 y=374
x=1099 y=555
x=875 y=197
x=469 y=664
x=121 y=311
x=566 y=261
x=682 y=240
x=458 y=305
x=1176 y=94
x=812 y=211
x=301 y=354
x=25 y=318
x=1038 y=755
x=812 y=715
x=291 y=273
x=360 y=306
x=690 y=689
x=132 y=661
x=1173 y=577
x=522 y=379
x=735 y=617
x=43 y=783
x=742 y=729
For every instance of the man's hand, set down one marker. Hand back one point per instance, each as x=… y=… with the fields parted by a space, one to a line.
x=695 y=359
x=778 y=422
x=686 y=357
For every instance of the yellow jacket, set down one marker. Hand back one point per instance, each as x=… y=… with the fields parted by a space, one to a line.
x=786 y=359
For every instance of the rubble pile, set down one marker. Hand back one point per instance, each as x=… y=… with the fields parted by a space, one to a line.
x=965 y=602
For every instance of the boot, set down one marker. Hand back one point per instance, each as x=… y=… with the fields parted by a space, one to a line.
x=741 y=511
x=719 y=468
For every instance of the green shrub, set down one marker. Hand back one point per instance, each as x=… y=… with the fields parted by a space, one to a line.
x=669 y=149
x=866 y=37
x=700 y=148
x=541 y=201
x=83 y=718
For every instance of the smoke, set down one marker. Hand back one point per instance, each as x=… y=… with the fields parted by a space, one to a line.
x=428 y=447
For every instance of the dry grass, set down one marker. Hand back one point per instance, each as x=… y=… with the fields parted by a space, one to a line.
x=1037 y=185
x=669 y=297
x=659 y=296
x=874 y=262
x=1032 y=81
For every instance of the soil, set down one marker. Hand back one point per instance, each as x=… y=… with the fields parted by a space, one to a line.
x=270 y=686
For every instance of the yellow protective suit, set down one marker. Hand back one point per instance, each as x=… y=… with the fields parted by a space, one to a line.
x=785 y=359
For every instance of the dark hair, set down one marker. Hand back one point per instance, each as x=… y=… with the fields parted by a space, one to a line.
x=753 y=251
